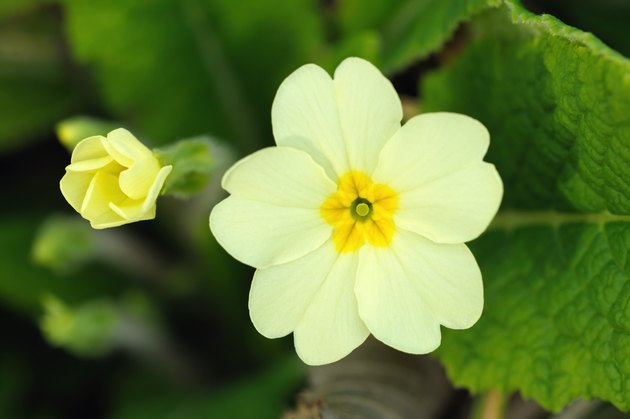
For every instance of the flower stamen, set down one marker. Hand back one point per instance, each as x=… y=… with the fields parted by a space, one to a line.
x=360 y=211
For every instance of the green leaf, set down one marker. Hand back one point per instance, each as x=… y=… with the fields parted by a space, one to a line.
x=607 y=19
x=183 y=68
x=410 y=29
x=556 y=324
x=365 y=44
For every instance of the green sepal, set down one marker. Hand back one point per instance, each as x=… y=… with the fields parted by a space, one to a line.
x=192 y=163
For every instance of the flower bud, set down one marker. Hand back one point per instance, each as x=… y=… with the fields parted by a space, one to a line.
x=113 y=180
x=64 y=244
x=85 y=330
x=72 y=130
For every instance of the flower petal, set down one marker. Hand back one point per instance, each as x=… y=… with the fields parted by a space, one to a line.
x=143 y=209
x=156 y=187
x=261 y=234
x=404 y=292
x=455 y=208
x=102 y=191
x=123 y=145
x=430 y=146
x=133 y=211
x=136 y=181
x=88 y=149
x=90 y=165
x=304 y=115
x=73 y=187
x=280 y=294
x=446 y=192
x=281 y=176
x=331 y=328
x=369 y=110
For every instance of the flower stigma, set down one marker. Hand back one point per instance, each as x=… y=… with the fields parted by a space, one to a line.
x=361 y=212
x=361 y=208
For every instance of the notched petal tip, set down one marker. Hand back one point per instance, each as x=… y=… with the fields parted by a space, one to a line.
x=229 y=174
x=357 y=64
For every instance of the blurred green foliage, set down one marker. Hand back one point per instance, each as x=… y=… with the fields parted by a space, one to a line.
x=86 y=331
x=553 y=98
x=409 y=29
x=64 y=244
x=36 y=85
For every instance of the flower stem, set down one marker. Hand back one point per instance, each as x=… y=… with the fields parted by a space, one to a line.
x=490 y=405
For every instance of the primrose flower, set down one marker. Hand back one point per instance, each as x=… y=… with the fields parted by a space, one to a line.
x=113 y=180
x=355 y=224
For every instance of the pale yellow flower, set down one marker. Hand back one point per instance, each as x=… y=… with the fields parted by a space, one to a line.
x=355 y=224
x=113 y=180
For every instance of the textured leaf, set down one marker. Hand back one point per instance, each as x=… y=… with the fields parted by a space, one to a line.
x=183 y=68
x=556 y=324
x=608 y=19
x=410 y=29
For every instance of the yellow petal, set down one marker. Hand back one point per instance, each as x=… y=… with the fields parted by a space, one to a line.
x=88 y=149
x=261 y=234
x=407 y=290
x=430 y=146
x=133 y=211
x=447 y=275
x=391 y=305
x=281 y=176
x=123 y=145
x=304 y=115
x=280 y=294
x=369 y=110
x=446 y=192
x=331 y=328
x=455 y=208
x=90 y=165
x=73 y=187
x=102 y=191
x=136 y=181
x=156 y=187
x=143 y=209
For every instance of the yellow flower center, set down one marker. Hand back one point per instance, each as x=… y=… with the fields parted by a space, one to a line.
x=360 y=211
